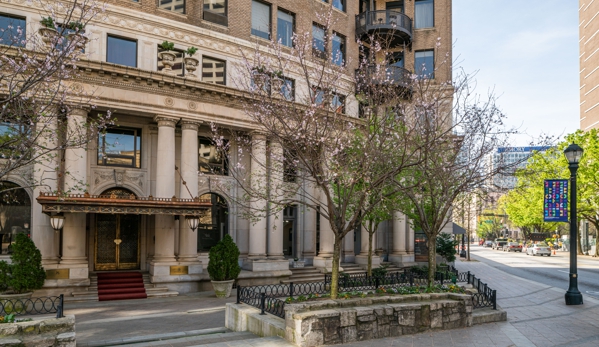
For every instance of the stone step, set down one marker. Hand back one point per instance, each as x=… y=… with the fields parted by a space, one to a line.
x=304 y=269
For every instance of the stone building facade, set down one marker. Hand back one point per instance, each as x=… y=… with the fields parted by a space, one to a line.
x=589 y=79
x=164 y=122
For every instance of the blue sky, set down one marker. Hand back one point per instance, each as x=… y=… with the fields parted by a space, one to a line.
x=527 y=51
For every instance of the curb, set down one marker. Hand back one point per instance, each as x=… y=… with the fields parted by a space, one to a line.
x=156 y=337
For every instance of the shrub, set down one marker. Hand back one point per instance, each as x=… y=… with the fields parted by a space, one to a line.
x=77 y=26
x=446 y=246
x=26 y=272
x=48 y=22
x=223 y=265
x=167 y=46
x=380 y=272
x=4 y=275
x=191 y=51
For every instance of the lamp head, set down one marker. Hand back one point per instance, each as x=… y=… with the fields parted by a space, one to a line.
x=193 y=222
x=573 y=153
x=57 y=222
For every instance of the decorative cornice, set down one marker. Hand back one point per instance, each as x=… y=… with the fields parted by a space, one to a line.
x=165 y=121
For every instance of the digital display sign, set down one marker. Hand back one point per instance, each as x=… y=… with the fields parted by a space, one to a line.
x=556 y=201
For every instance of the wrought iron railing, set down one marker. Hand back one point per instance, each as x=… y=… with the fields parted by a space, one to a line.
x=390 y=20
x=33 y=306
x=266 y=297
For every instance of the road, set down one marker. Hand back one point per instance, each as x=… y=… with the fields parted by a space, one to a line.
x=551 y=270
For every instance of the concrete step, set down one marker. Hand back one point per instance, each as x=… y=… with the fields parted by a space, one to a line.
x=300 y=270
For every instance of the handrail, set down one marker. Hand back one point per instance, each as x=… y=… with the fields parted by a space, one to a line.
x=32 y=306
x=383 y=19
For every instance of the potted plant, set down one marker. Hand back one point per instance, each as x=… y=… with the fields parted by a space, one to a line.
x=223 y=268
x=298 y=263
x=23 y=275
x=446 y=247
x=191 y=63
x=259 y=76
x=167 y=55
x=277 y=82
x=48 y=30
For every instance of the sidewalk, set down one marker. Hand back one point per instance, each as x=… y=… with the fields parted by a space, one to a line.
x=537 y=316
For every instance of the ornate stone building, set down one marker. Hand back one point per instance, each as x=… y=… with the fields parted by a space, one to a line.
x=164 y=110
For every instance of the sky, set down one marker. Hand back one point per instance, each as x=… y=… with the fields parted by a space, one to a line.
x=526 y=51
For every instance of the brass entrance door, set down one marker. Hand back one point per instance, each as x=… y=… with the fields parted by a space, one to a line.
x=117 y=242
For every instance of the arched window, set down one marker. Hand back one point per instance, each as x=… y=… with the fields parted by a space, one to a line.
x=214 y=224
x=15 y=214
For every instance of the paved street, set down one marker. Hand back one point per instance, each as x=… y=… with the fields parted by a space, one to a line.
x=537 y=315
x=551 y=270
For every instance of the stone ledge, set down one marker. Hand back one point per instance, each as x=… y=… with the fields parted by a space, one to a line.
x=41 y=332
x=241 y=317
x=487 y=315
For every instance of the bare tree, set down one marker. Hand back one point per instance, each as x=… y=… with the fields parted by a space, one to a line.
x=38 y=71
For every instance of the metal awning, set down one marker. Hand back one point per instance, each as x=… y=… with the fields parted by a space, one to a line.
x=85 y=203
x=458 y=230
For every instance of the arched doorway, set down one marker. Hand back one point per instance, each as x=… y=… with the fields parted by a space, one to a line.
x=117 y=238
x=15 y=214
x=214 y=224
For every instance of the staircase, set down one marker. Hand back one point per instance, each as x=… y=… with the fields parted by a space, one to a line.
x=91 y=294
x=312 y=274
x=121 y=286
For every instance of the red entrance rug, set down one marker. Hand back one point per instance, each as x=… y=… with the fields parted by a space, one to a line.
x=121 y=286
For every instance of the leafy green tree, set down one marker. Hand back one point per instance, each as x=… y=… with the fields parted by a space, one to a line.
x=446 y=246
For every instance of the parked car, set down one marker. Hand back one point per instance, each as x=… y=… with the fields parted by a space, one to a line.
x=499 y=243
x=512 y=247
x=488 y=243
x=539 y=249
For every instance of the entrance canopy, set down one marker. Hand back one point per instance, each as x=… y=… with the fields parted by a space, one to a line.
x=458 y=230
x=85 y=203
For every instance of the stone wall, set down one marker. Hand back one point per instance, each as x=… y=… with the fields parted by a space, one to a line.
x=55 y=332
x=342 y=321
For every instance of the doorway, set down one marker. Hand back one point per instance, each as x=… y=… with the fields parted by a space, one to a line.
x=117 y=242
x=289 y=231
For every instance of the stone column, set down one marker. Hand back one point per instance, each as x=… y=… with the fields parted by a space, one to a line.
x=349 y=256
x=309 y=230
x=73 y=232
x=45 y=178
x=324 y=260
x=276 y=222
x=257 y=180
x=188 y=239
x=362 y=258
x=400 y=228
x=164 y=246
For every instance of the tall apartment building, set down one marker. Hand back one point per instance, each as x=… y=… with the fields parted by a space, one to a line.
x=589 y=64
x=124 y=221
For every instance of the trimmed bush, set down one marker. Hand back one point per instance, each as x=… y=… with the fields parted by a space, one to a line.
x=26 y=272
x=223 y=265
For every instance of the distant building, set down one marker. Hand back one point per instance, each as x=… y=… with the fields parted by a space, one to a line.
x=509 y=157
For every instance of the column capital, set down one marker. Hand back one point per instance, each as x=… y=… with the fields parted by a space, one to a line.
x=80 y=111
x=165 y=121
x=258 y=134
x=188 y=124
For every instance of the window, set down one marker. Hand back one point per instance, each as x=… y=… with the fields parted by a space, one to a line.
x=338 y=49
x=285 y=27
x=288 y=89
x=211 y=159
x=172 y=5
x=260 y=19
x=339 y=4
x=424 y=14
x=121 y=51
x=318 y=41
x=338 y=103
x=396 y=59
x=120 y=147
x=12 y=30
x=215 y=11
x=394 y=5
x=213 y=70
x=289 y=166
x=424 y=64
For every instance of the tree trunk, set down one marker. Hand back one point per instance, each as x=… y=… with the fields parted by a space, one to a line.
x=432 y=260
x=335 y=269
x=369 y=253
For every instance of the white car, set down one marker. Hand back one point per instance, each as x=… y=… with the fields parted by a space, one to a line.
x=539 y=249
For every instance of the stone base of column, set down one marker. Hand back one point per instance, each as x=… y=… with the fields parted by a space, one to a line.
x=308 y=259
x=46 y=262
x=362 y=259
x=73 y=261
x=276 y=256
x=349 y=258
x=402 y=260
x=257 y=265
x=325 y=264
x=182 y=277
x=77 y=275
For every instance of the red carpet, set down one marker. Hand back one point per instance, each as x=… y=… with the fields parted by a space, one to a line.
x=121 y=286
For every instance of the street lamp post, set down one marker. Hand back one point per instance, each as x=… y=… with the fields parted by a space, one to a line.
x=573 y=296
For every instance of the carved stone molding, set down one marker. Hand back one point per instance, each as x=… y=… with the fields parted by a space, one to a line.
x=164 y=121
x=190 y=125
x=103 y=179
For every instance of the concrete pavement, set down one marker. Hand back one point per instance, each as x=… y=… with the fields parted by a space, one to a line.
x=537 y=316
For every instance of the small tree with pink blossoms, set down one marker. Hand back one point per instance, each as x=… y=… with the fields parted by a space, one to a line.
x=38 y=74
x=333 y=137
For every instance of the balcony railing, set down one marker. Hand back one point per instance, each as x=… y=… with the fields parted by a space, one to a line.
x=374 y=75
x=394 y=25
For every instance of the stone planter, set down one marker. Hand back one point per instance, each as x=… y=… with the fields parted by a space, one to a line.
x=191 y=65
x=277 y=84
x=222 y=289
x=299 y=263
x=260 y=79
x=39 y=332
x=79 y=40
x=16 y=303
x=168 y=60
x=49 y=35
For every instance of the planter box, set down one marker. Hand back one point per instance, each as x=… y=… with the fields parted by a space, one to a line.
x=58 y=332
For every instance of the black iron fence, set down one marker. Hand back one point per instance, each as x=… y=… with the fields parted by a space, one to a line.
x=266 y=297
x=33 y=306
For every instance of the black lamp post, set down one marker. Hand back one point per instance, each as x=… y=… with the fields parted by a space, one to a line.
x=573 y=154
